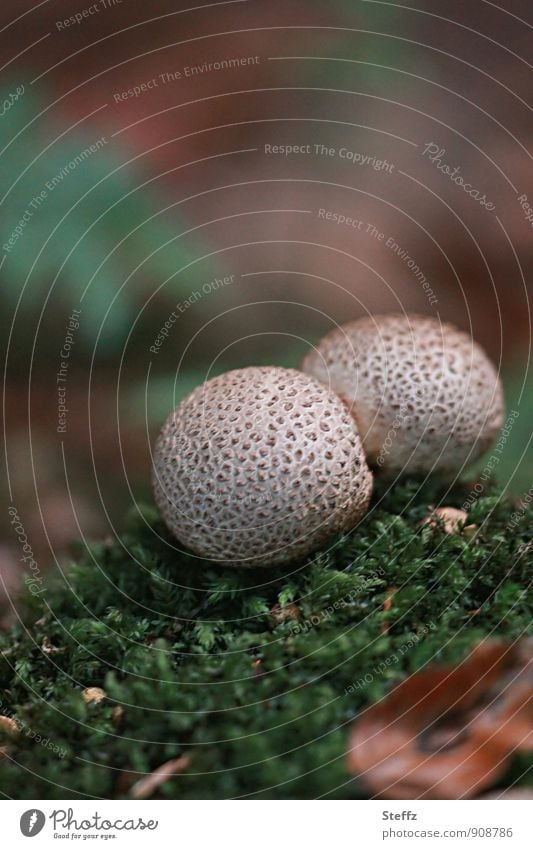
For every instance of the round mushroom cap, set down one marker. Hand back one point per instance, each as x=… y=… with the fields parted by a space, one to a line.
x=425 y=396
x=260 y=466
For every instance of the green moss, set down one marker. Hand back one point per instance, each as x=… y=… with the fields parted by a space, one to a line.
x=200 y=665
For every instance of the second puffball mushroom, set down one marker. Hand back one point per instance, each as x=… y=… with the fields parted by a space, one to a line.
x=425 y=396
x=259 y=466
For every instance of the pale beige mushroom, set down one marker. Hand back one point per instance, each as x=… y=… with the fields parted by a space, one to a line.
x=425 y=396
x=260 y=466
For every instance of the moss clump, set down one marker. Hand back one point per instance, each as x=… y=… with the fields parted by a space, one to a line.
x=208 y=661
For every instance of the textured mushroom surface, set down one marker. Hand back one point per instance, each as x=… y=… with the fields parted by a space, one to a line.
x=260 y=466
x=425 y=396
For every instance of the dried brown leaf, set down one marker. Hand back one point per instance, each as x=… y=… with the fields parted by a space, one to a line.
x=447 y=732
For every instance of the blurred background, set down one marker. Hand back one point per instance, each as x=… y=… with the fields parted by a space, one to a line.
x=185 y=190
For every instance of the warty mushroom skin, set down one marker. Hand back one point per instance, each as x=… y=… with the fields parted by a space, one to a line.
x=425 y=396
x=260 y=466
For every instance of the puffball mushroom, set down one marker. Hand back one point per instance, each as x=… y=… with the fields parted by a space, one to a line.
x=260 y=466
x=425 y=396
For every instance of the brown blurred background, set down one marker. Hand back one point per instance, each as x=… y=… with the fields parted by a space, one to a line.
x=181 y=192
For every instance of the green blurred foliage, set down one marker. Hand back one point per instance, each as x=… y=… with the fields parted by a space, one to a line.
x=90 y=223
x=515 y=461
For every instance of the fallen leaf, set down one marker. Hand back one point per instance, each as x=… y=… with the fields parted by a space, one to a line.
x=48 y=648
x=117 y=715
x=93 y=695
x=9 y=725
x=450 y=520
x=387 y=606
x=448 y=732
x=285 y=613
x=146 y=786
